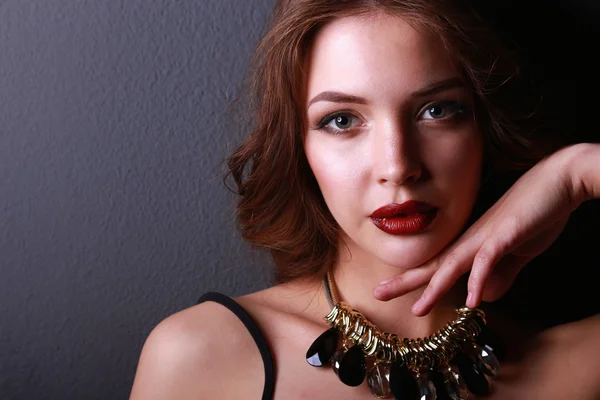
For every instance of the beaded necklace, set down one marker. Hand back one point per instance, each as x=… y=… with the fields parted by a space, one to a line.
x=445 y=365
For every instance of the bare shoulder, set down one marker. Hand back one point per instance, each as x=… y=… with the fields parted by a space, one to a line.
x=293 y=300
x=558 y=363
x=198 y=353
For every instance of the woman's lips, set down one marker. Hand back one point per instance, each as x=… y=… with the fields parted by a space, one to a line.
x=404 y=219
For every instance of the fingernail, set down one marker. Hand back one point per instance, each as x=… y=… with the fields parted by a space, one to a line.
x=379 y=290
x=416 y=307
x=469 y=300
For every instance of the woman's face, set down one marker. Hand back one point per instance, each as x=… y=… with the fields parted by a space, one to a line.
x=391 y=139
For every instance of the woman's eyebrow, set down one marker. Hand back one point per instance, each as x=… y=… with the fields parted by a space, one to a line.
x=439 y=86
x=428 y=90
x=337 y=97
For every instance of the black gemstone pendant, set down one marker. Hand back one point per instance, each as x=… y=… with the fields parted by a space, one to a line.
x=323 y=348
x=473 y=376
x=402 y=383
x=351 y=368
x=438 y=381
x=492 y=342
x=485 y=360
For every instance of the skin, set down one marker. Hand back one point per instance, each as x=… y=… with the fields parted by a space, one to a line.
x=408 y=133
x=389 y=155
x=508 y=236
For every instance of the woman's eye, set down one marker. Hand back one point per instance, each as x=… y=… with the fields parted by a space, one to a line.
x=442 y=110
x=342 y=121
x=339 y=122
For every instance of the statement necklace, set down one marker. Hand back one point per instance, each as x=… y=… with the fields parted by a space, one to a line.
x=445 y=365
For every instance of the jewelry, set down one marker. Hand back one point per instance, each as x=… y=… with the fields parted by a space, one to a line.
x=445 y=365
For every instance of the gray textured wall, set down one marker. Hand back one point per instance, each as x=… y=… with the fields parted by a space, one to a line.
x=113 y=214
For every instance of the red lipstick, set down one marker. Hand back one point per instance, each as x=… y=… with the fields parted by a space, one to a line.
x=404 y=219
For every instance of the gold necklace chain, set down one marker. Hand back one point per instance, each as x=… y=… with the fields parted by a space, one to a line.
x=450 y=360
x=417 y=354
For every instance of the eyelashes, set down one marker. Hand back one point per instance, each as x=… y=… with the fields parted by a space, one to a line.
x=448 y=109
x=342 y=120
x=437 y=112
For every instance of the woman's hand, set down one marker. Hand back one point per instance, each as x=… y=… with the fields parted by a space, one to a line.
x=520 y=226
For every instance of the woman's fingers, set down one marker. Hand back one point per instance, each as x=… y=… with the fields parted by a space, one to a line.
x=486 y=265
x=472 y=255
x=451 y=269
x=503 y=276
x=405 y=282
x=493 y=267
x=486 y=260
x=497 y=264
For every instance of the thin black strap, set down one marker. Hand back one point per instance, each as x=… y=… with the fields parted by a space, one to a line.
x=257 y=335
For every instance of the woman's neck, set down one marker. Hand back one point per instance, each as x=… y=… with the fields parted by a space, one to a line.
x=355 y=278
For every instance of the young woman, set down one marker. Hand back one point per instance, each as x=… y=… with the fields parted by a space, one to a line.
x=377 y=125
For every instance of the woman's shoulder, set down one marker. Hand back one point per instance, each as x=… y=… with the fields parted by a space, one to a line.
x=555 y=363
x=207 y=351
x=285 y=307
x=288 y=298
x=195 y=353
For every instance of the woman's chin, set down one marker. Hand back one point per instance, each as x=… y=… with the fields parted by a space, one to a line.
x=406 y=264
x=402 y=253
x=405 y=258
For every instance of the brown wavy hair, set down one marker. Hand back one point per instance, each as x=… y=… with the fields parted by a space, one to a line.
x=280 y=206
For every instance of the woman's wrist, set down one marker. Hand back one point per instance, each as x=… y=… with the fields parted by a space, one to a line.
x=582 y=166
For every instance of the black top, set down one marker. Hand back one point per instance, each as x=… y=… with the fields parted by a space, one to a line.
x=257 y=335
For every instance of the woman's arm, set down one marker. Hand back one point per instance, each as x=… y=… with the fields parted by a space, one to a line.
x=584 y=170
x=520 y=226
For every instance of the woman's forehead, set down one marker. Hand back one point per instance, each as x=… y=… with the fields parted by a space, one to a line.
x=375 y=53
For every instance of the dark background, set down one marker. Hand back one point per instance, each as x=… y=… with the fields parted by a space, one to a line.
x=113 y=127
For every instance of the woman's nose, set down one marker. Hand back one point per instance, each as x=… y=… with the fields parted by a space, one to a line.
x=396 y=156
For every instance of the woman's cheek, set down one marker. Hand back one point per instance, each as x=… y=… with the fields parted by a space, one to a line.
x=336 y=168
x=462 y=154
x=462 y=171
